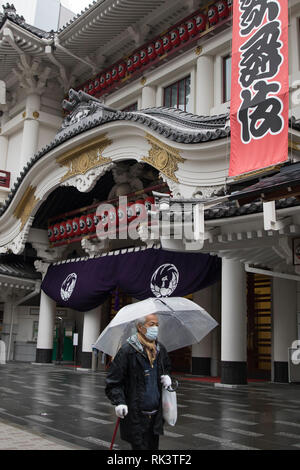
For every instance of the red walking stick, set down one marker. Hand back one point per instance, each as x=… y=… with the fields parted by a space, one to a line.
x=115 y=433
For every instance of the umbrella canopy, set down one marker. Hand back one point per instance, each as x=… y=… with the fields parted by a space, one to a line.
x=181 y=323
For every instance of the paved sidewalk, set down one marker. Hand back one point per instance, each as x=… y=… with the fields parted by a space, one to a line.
x=55 y=407
x=14 y=437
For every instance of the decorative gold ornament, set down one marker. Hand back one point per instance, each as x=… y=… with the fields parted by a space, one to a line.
x=143 y=81
x=163 y=157
x=258 y=172
x=24 y=115
x=26 y=205
x=82 y=159
x=198 y=50
x=36 y=114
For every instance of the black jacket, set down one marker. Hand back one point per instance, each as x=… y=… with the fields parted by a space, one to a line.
x=125 y=385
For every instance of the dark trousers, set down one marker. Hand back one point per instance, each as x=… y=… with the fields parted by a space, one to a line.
x=147 y=440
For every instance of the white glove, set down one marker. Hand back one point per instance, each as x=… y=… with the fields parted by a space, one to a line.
x=121 y=410
x=165 y=380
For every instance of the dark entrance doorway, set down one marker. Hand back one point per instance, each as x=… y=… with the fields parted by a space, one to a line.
x=63 y=340
x=259 y=326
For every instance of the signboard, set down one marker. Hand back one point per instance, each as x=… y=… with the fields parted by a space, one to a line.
x=75 y=339
x=259 y=86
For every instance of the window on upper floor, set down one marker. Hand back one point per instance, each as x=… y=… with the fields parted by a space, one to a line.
x=178 y=94
x=226 y=78
x=131 y=107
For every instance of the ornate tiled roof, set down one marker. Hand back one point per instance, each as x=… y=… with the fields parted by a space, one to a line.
x=86 y=112
x=9 y=13
x=13 y=267
x=285 y=181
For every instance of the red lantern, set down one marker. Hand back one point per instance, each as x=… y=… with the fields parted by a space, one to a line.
x=115 y=73
x=90 y=222
x=200 y=22
x=131 y=211
x=230 y=5
x=76 y=227
x=130 y=67
x=213 y=16
x=91 y=88
x=122 y=70
x=192 y=28
x=97 y=85
x=103 y=81
x=183 y=32
x=159 y=47
x=108 y=78
x=113 y=217
x=140 y=209
x=69 y=228
x=63 y=230
x=167 y=42
x=96 y=220
x=223 y=10
x=149 y=202
x=151 y=51
x=56 y=232
x=144 y=57
x=175 y=39
x=122 y=215
x=103 y=219
x=51 y=235
x=136 y=61
x=82 y=224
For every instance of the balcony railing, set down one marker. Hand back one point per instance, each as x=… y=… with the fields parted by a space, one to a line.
x=4 y=179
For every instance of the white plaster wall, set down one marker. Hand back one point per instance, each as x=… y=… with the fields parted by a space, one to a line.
x=13 y=155
x=298 y=311
x=46 y=135
x=25 y=321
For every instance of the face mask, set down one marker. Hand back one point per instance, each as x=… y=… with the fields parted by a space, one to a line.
x=152 y=333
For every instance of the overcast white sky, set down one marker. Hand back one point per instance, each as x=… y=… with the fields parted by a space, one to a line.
x=76 y=5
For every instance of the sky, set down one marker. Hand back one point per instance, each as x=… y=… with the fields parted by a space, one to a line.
x=47 y=15
x=76 y=5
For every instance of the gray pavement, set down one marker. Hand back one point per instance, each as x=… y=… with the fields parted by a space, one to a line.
x=50 y=407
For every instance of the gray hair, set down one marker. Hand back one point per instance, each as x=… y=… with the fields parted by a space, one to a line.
x=140 y=321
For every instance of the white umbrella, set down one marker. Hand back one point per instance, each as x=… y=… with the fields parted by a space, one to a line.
x=181 y=323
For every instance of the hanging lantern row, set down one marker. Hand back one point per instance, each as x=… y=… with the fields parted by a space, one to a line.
x=86 y=224
x=161 y=46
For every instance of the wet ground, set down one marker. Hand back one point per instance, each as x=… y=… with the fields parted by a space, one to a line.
x=68 y=408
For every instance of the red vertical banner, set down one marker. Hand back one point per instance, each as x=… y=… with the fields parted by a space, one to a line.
x=259 y=85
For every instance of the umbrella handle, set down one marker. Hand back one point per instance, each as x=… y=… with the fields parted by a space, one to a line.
x=114 y=434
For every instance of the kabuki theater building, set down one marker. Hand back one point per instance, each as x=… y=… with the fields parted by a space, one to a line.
x=151 y=149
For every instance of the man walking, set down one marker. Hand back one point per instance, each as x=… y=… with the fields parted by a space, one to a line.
x=134 y=385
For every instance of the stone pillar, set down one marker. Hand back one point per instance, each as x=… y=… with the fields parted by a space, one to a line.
x=201 y=352
x=148 y=97
x=233 y=323
x=3 y=142
x=284 y=325
x=31 y=128
x=46 y=328
x=9 y=329
x=91 y=331
x=205 y=85
x=3 y=151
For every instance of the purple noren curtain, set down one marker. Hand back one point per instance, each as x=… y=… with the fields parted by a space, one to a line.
x=83 y=285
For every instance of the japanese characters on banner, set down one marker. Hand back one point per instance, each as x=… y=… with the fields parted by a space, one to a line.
x=259 y=86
